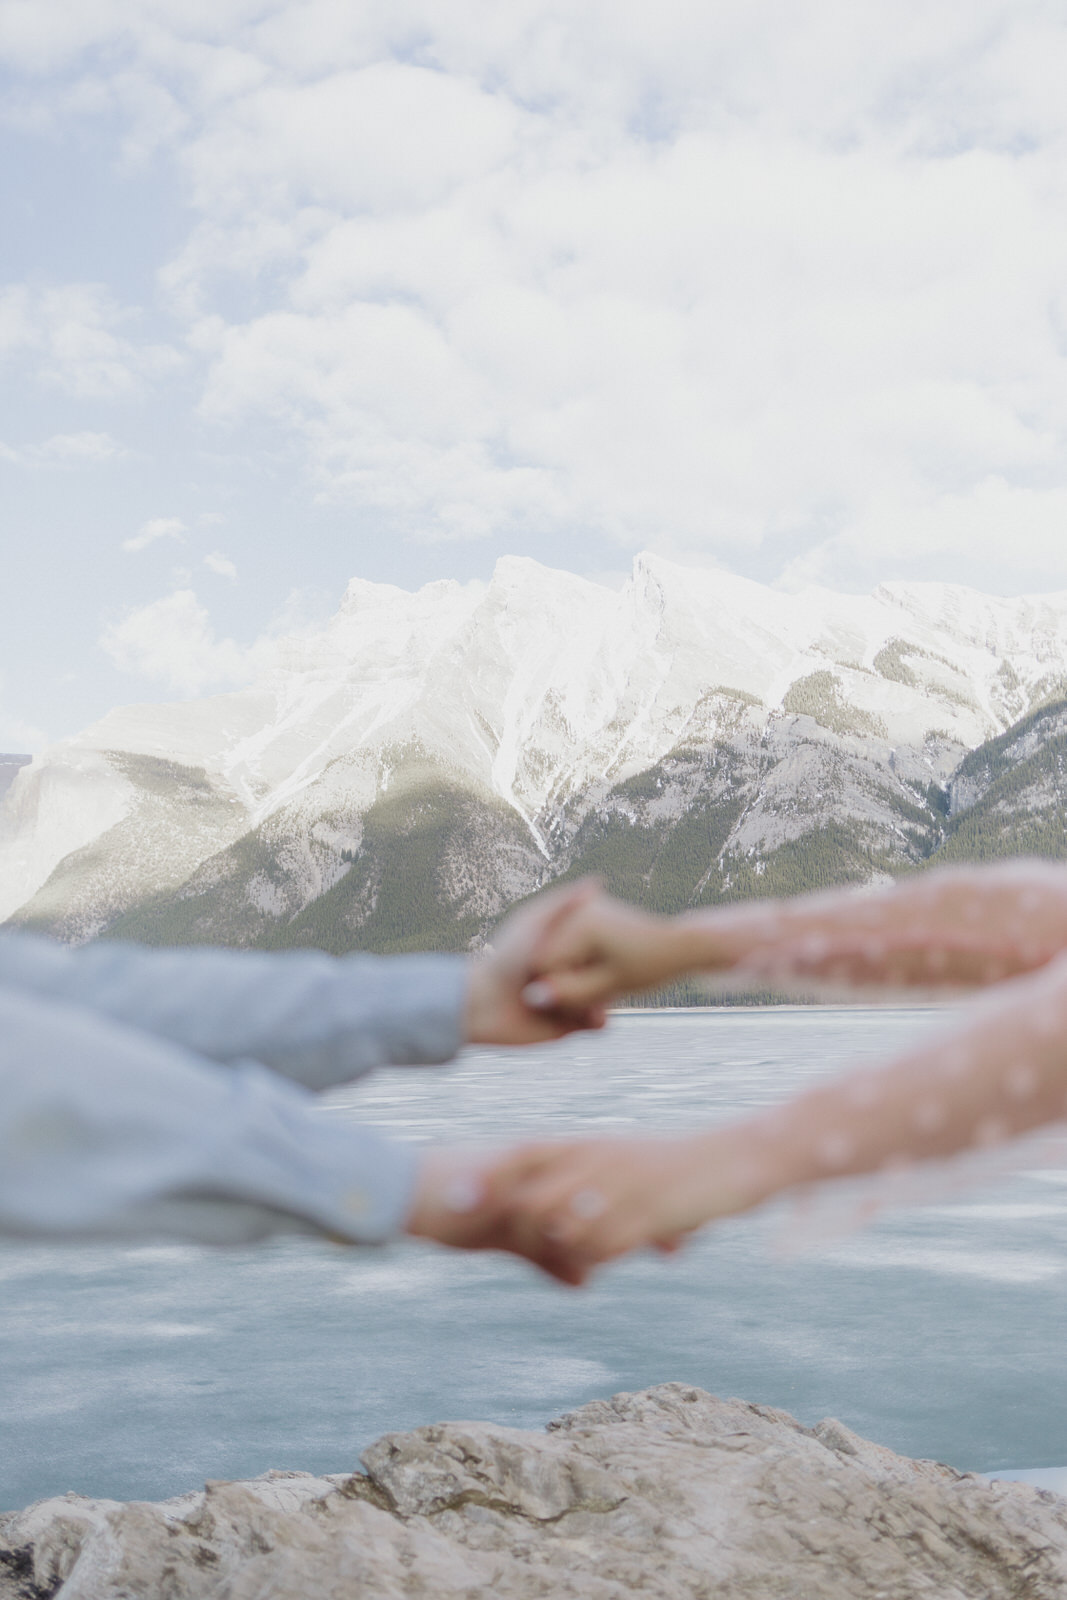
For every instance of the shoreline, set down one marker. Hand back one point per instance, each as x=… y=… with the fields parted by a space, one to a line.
x=787 y=1006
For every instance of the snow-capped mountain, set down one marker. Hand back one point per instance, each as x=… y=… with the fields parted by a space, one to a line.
x=402 y=774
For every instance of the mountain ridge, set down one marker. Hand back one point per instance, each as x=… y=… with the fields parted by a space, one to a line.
x=404 y=773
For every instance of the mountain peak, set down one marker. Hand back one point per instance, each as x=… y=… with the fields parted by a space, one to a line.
x=542 y=688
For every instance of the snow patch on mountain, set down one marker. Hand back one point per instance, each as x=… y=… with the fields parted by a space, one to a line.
x=539 y=691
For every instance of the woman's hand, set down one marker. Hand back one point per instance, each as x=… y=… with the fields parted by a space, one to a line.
x=606 y=949
x=459 y=1203
x=597 y=1199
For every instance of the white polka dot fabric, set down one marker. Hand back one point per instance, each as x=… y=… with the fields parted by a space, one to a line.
x=999 y=1072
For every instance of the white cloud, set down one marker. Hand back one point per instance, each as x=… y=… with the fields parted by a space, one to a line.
x=988 y=525
x=65 y=450
x=815 y=334
x=40 y=36
x=153 y=530
x=77 y=449
x=719 y=278
x=73 y=338
x=221 y=565
x=172 y=642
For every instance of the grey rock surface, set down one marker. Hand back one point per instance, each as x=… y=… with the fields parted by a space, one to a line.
x=669 y=1493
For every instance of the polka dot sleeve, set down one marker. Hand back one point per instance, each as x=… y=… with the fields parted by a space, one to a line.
x=957 y=928
x=995 y=1076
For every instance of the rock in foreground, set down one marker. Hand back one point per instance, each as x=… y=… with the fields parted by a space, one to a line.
x=671 y=1492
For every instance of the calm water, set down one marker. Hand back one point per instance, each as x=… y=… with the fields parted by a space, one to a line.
x=940 y=1332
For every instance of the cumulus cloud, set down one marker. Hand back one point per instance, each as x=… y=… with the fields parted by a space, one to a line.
x=76 y=338
x=993 y=525
x=65 y=450
x=153 y=530
x=172 y=641
x=714 y=279
x=221 y=565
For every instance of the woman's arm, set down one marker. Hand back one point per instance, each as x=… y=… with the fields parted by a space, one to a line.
x=958 y=927
x=1001 y=1073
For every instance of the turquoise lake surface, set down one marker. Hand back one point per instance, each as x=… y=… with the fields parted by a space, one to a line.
x=939 y=1330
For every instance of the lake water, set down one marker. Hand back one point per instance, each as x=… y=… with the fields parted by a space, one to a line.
x=138 y=1373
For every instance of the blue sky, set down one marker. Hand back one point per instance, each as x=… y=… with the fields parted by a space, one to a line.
x=291 y=293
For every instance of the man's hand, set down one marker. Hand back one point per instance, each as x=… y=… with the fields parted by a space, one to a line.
x=496 y=1011
x=458 y=1204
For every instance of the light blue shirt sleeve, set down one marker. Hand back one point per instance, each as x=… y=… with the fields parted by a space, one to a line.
x=314 y=1018
x=108 y=1132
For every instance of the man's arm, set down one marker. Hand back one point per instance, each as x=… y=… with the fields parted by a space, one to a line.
x=313 y=1018
x=108 y=1133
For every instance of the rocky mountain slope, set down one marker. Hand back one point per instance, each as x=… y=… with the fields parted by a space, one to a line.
x=399 y=777
x=669 y=1493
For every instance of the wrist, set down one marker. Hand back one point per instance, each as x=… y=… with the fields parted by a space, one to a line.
x=449 y=1189
x=740 y=1165
x=715 y=941
x=477 y=1002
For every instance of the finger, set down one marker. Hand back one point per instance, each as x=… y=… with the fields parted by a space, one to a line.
x=565 y=1266
x=564 y=933
x=566 y=1207
x=548 y=1187
x=523 y=1160
x=562 y=1023
x=617 y=1234
x=571 y=989
x=511 y=1173
x=624 y=1222
x=560 y=904
x=535 y=925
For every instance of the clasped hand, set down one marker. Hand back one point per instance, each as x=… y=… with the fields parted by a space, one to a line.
x=565 y=1206
x=563 y=959
x=569 y=1206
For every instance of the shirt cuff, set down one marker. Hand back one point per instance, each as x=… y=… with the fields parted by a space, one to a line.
x=282 y=1150
x=364 y=1188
